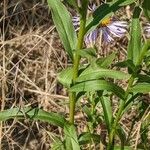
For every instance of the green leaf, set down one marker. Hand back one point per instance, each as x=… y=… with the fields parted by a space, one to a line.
x=146 y=8
x=86 y=138
x=87 y=53
x=107 y=110
x=121 y=134
x=144 y=50
x=143 y=78
x=144 y=131
x=64 y=25
x=96 y=85
x=141 y=88
x=87 y=111
x=127 y=63
x=134 y=46
x=57 y=144
x=106 y=10
x=125 y=2
x=65 y=77
x=95 y=73
x=125 y=148
x=71 y=2
x=34 y=114
x=105 y=62
x=71 y=140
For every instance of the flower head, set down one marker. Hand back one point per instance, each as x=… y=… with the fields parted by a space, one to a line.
x=91 y=37
x=76 y=22
x=108 y=28
x=147 y=29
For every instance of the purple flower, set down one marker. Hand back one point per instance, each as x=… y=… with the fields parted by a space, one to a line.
x=112 y=29
x=147 y=29
x=92 y=8
x=108 y=29
x=90 y=38
x=76 y=22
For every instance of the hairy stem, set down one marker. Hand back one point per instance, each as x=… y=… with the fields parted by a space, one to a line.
x=76 y=60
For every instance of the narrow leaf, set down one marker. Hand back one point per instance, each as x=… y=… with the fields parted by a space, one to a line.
x=126 y=63
x=35 y=114
x=106 y=10
x=107 y=109
x=141 y=88
x=144 y=50
x=65 y=77
x=143 y=78
x=86 y=138
x=125 y=148
x=87 y=53
x=146 y=8
x=96 y=85
x=134 y=46
x=71 y=2
x=57 y=144
x=71 y=139
x=87 y=111
x=121 y=134
x=96 y=73
x=64 y=25
x=105 y=62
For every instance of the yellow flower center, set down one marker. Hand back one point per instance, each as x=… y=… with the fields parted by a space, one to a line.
x=105 y=22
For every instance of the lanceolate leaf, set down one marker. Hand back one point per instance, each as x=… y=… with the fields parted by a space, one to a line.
x=87 y=53
x=71 y=140
x=121 y=134
x=146 y=8
x=134 y=46
x=65 y=77
x=125 y=148
x=64 y=25
x=57 y=144
x=141 y=88
x=96 y=85
x=96 y=73
x=106 y=10
x=143 y=78
x=35 y=114
x=71 y=2
x=105 y=62
x=107 y=109
x=127 y=63
x=86 y=138
x=144 y=50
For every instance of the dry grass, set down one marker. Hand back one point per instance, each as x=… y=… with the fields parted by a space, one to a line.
x=30 y=57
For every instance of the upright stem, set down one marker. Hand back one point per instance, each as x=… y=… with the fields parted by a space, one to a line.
x=118 y=116
x=123 y=102
x=76 y=60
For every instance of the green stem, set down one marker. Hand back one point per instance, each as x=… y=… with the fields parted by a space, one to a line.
x=143 y=52
x=76 y=60
x=123 y=102
x=118 y=116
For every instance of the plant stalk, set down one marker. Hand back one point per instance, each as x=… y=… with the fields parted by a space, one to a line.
x=118 y=116
x=76 y=60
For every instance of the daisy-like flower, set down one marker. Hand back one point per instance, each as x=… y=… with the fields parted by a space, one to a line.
x=111 y=28
x=147 y=29
x=90 y=38
x=108 y=28
x=76 y=22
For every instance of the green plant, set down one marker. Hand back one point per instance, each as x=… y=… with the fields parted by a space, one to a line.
x=93 y=79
